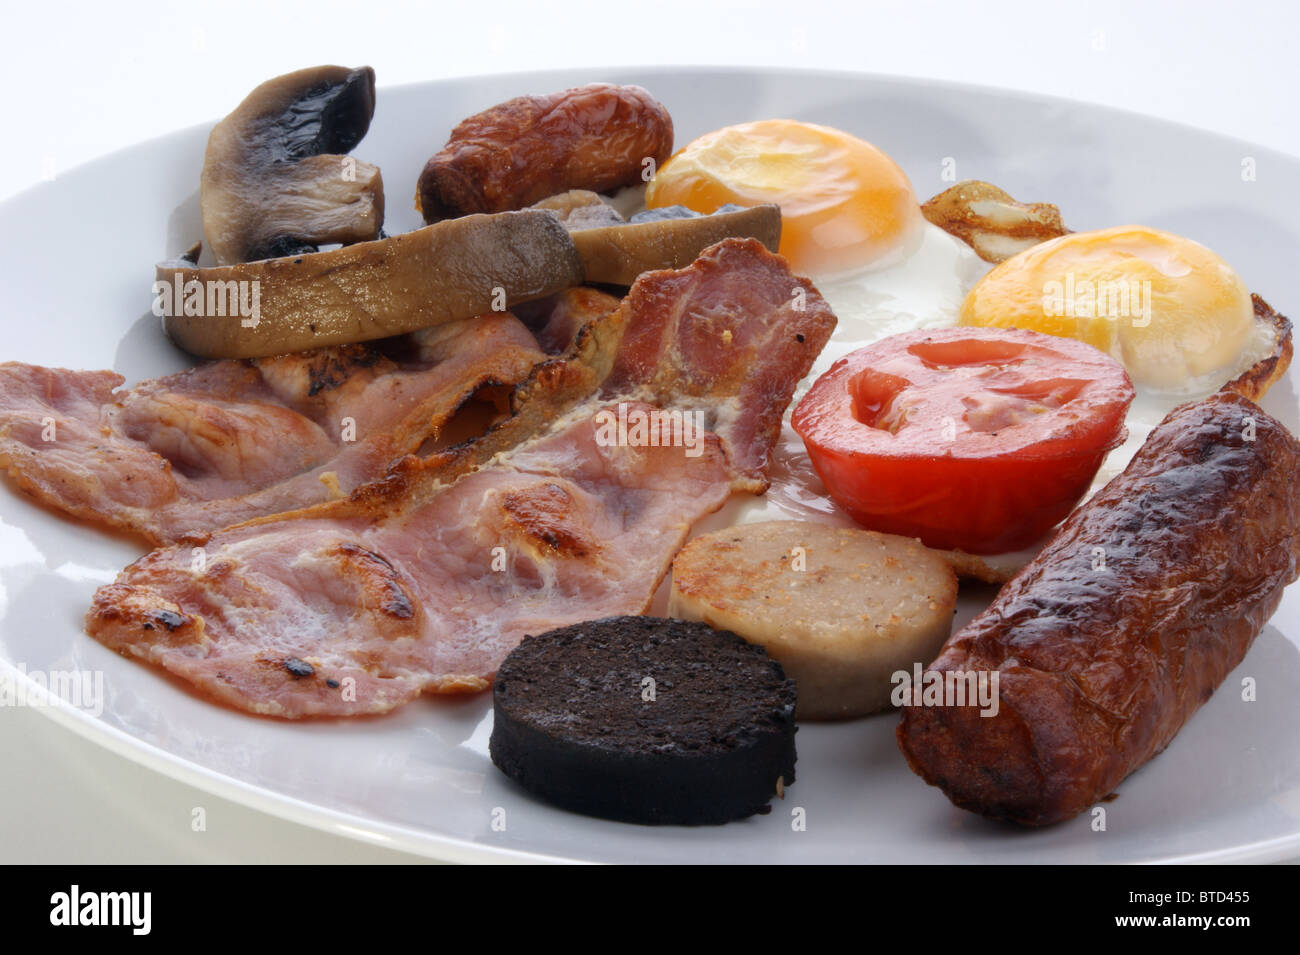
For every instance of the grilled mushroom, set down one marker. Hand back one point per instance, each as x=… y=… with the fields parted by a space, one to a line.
x=276 y=181
x=451 y=270
x=990 y=221
x=616 y=252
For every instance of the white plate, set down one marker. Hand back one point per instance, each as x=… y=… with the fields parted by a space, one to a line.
x=77 y=260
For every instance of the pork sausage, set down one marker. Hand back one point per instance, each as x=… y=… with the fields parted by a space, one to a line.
x=597 y=137
x=1139 y=607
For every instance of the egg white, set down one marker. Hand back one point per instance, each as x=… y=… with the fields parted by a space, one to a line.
x=923 y=290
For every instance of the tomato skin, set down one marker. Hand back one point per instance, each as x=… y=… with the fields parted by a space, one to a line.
x=932 y=470
x=960 y=505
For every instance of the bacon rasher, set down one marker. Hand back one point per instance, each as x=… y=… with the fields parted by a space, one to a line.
x=423 y=583
x=228 y=441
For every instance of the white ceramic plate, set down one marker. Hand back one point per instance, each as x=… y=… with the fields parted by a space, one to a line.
x=77 y=261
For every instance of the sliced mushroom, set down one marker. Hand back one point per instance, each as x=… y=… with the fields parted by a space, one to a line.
x=615 y=251
x=275 y=178
x=451 y=270
x=990 y=221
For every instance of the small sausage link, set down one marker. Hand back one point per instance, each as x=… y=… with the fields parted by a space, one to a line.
x=595 y=137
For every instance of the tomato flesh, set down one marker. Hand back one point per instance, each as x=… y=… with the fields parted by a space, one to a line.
x=978 y=439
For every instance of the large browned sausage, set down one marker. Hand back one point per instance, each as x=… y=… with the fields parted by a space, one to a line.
x=1109 y=640
x=595 y=137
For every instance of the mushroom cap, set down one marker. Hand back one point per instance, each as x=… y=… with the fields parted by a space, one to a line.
x=276 y=178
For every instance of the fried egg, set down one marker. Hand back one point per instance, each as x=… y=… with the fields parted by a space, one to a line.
x=845 y=205
x=1171 y=311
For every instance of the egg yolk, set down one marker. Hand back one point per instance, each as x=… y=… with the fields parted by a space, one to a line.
x=844 y=203
x=1165 y=307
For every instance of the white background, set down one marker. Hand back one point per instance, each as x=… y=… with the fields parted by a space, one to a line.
x=83 y=81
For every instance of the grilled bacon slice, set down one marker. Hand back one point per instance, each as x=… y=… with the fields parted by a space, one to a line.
x=421 y=584
x=228 y=441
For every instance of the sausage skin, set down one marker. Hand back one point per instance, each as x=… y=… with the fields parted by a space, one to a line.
x=1103 y=655
x=594 y=137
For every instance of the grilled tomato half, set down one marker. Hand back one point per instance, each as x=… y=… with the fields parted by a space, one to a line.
x=978 y=439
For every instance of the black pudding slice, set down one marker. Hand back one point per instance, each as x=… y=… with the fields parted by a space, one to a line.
x=646 y=720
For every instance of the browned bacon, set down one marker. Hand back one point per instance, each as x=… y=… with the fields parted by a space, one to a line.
x=228 y=441
x=699 y=342
x=417 y=585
